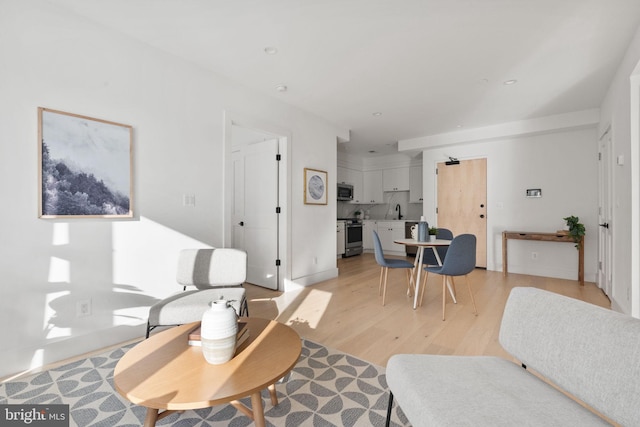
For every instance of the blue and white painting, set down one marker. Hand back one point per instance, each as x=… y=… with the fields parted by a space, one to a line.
x=315 y=187
x=86 y=166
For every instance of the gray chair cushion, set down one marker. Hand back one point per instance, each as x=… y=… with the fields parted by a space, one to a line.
x=189 y=306
x=478 y=391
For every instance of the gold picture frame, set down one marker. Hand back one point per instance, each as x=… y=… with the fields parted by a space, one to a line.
x=315 y=187
x=85 y=167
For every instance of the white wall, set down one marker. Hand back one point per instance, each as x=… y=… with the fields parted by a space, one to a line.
x=621 y=111
x=563 y=164
x=54 y=59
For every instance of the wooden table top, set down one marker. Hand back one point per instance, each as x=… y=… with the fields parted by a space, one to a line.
x=413 y=242
x=165 y=372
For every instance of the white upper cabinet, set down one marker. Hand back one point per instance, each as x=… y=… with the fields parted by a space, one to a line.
x=415 y=184
x=372 y=187
x=396 y=179
x=358 y=190
x=342 y=175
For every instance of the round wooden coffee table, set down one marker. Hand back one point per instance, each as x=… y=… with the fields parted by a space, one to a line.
x=165 y=373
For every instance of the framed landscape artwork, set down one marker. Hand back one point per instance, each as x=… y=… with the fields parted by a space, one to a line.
x=85 y=167
x=315 y=187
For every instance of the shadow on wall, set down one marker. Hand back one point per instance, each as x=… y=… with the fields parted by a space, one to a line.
x=91 y=288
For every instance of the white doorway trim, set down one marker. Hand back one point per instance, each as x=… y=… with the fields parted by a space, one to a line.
x=284 y=138
x=605 y=270
x=635 y=190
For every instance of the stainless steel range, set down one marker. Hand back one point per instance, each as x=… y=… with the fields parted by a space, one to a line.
x=352 y=236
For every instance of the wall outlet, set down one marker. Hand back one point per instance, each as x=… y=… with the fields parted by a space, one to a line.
x=189 y=200
x=534 y=255
x=83 y=308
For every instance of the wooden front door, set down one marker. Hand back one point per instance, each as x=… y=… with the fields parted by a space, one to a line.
x=462 y=202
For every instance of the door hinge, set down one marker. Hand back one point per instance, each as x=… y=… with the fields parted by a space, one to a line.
x=277 y=209
x=436 y=171
x=278 y=157
x=277 y=263
x=599 y=156
x=436 y=210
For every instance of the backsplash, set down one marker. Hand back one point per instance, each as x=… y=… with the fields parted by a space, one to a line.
x=410 y=211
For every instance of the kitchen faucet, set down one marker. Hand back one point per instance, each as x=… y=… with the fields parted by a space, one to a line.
x=399 y=211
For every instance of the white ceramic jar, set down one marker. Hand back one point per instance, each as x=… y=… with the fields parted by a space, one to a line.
x=218 y=332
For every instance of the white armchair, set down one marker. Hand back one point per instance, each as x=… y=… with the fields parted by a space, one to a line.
x=215 y=273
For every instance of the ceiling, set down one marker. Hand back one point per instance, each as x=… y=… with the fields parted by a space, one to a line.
x=428 y=66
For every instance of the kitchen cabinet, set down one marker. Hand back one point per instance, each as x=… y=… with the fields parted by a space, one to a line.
x=342 y=175
x=396 y=179
x=368 y=226
x=340 y=239
x=415 y=184
x=388 y=231
x=372 y=186
x=353 y=177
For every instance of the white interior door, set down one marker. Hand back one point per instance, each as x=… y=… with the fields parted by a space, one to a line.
x=255 y=219
x=604 y=277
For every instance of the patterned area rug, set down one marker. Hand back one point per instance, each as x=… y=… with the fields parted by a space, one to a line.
x=326 y=388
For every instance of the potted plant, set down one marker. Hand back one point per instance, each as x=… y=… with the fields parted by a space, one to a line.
x=576 y=229
x=432 y=233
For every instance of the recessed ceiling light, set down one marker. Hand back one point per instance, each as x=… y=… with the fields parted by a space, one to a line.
x=510 y=82
x=459 y=126
x=377 y=113
x=281 y=88
x=270 y=50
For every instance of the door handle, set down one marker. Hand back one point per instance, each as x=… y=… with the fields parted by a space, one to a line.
x=605 y=225
x=241 y=223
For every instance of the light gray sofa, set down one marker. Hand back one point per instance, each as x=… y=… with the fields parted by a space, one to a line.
x=588 y=351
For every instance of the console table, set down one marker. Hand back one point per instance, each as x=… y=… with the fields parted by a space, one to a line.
x=545 y=237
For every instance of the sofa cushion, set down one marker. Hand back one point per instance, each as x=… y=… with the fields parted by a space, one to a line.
x=479 y=391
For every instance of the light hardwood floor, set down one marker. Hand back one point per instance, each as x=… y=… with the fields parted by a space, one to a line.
x=346 y=313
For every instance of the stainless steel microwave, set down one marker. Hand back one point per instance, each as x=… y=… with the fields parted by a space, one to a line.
x=345 y=192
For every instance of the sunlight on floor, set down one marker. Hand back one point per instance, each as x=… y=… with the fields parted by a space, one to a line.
x=308 y=311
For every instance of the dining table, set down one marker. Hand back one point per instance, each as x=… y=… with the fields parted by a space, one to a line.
x=417 y=269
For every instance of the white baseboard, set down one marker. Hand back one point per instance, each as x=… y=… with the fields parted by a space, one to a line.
x=310 y=279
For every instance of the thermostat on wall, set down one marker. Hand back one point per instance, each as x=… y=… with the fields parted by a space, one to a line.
x=534 y=192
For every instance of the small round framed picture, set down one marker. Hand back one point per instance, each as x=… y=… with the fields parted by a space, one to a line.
x=315 y=187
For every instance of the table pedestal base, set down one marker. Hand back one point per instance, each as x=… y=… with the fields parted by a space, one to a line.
x=255 y=413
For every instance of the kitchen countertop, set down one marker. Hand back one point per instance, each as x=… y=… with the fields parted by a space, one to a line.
x=386 y=220
x=393 y=220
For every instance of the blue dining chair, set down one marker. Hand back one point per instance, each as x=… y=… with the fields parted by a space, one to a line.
x=429 y=257
x=460 y=261
x=386 y=264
